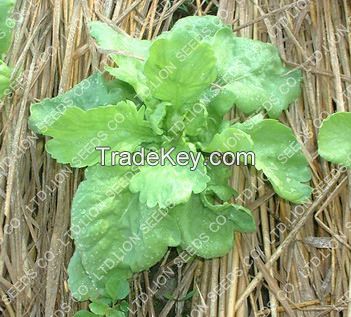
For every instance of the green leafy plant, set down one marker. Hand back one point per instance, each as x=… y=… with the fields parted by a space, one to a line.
x=170 y=92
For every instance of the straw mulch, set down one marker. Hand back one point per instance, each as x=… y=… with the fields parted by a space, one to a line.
x=298 y=262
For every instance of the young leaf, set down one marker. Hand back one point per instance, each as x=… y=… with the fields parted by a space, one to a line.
x=6 y=25
x=116 y=235
x=279 y=156
x=117 y=288
x=179 y=68
x=109 y=39
x=334 y=142
x=93 y=92
x=174 y=185
x=5 y=74
x=252 y=75
x=196 y=120
x=77 y=132
x=156 y=116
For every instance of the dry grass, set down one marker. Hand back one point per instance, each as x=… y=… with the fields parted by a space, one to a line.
x=298 y=262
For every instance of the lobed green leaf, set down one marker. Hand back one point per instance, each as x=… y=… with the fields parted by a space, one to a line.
x=174 y=185
x=252 y=75
x=93 y=92
x=76 y=133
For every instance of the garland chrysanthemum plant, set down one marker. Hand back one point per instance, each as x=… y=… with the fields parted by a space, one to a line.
x=171 y=92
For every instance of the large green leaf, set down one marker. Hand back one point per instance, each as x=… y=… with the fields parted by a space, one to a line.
x=252 y=75
x=179 y=68
x=205 y=232
x=5 y=74
x=279 y=156
x=167 y=185
x=6 y=25
x=78 y=132
x=90 y=93
x=334 y=139
x=114 y=234
x=109 y=39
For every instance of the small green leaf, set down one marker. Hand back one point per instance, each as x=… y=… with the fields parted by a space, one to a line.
x=117 y=288
x=334 y=139
x=6 y=25
x=93 y=92
x=84 y=313
x=98 y=308
x=77 y=132
x=179 y=68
